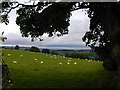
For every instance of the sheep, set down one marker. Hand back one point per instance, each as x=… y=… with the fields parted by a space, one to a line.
x=9 y=54
x=15 y=62
x=88 y=60
x=41 y=62
x=63 y=56
x=75 y=62
x=60 y=63
x=68 y=62
x=35 y=59
x=21 y=55
x=9 y=81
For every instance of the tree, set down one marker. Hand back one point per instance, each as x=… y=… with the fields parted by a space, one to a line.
x=34 y=49
x=26 y=49
x=46 y=51
x=101 y=36
x=54 y=53
x=104 y=18
x=16 y=47
x=81 y=55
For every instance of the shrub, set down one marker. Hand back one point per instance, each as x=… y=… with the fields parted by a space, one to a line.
x=34 y=49
x=82 y=55
x=46 y=51
x=16 y=47
x=54 y=53
x=26 y=49
x=4 y=47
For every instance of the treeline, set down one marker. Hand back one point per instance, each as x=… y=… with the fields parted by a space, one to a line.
x=80 y=55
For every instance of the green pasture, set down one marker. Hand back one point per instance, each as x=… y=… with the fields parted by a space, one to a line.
x=28 y=73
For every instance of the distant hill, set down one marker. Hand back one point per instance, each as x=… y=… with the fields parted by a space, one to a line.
x=70 y=50
x=64 y=50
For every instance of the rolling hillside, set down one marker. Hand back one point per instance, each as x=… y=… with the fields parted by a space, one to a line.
x=38 y=70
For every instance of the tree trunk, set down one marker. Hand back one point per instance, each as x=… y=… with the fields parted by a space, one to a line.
x=111 y=23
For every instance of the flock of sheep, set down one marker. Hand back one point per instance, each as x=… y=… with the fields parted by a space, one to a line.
x=54 y=56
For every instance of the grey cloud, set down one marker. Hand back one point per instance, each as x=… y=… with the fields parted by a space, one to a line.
x=79 y=24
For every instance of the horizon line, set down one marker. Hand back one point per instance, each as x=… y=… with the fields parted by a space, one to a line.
x=48 y=47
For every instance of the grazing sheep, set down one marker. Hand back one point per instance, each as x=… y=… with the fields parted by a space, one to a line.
x=88 y=60
x=35 y=59
x=41 y=62
x=9 y=54
x=60 y=63
x=63 y=56
x=75 y=62
x=15 y=62
x=21 y=55
x=68 y=62
x=9 y=81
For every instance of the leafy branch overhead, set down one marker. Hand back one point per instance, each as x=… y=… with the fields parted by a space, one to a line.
x=53 y=18
x=49 y=17
x=2 y=38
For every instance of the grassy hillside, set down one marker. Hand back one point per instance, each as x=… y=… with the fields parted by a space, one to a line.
x=28 y=73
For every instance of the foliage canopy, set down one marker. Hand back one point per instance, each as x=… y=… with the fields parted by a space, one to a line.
x=53 y=18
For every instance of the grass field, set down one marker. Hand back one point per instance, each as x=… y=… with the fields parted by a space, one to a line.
x=28 y=73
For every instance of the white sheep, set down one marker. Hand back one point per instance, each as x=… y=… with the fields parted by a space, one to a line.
x=60 y=63
x=9 y=54
x=41 y=62
x=88 y=60
x=68 y=62
x=15 y=62
x=63 y=56
x=21 y=55
x=35 y=59
x=75 y=62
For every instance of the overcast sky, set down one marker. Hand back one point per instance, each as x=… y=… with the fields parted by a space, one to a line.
x=79 y=24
